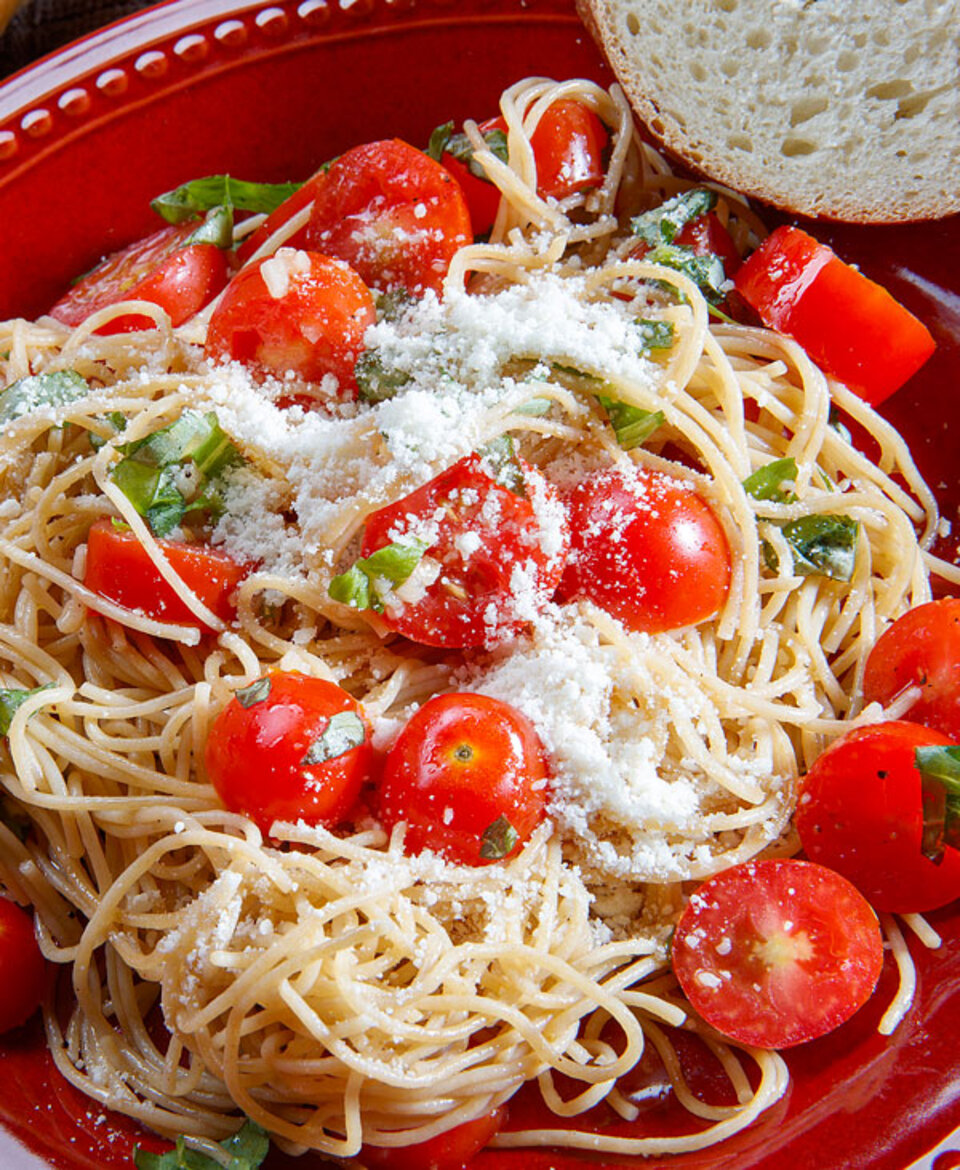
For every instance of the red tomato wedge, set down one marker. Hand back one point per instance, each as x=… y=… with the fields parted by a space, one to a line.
x=568 y=145
x=468 y=774
x=179 y=277
x=495 y=554
x=453 y=1150
x=775 y=953
x=119 y=569
x=862 y=811
x=23 y=969
x=393 y=214
x=647 y=549
x=294 y=313
x=849 y=325
x=921 y=649
x=290 y=747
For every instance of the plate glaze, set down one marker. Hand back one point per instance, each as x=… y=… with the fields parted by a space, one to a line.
x=194 y=87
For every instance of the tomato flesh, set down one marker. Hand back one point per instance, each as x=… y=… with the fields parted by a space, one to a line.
x=775 y=953
x=452 y=1150
x=849 y=325
x=179 y=277
x=263 y=753
x=568 y=145
x=647 y=549
x=861 y=811
x=921 y=649
x=392 y=213
x=296 y=313
x=23 y=969
x=487 y=542
x=461 y=762
x=119 y=569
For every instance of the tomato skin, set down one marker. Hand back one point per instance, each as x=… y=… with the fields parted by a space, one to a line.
x=254 y=754
x=462 y=504
x=452 y=1150
x=482 y=196
x=313 y=328
x=568 y=146
x=776 y=953
x=861 y=812
x=392 y=213
x=460 y=762
x=181 y=278
x=23 y=969
x=647 y=549
x=848 y=324
x=119 y=569
x=921 y=649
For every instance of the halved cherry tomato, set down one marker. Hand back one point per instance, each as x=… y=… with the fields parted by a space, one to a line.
x=294 y=313
x=862 y=809
x=468 y=774
x=495 y=554
x=393 y=213
x=568 y=146
x=775 y=953
x=452 y=1150
x=23 y=969
x=119 y=569
x=921 y=649
x=290 y=747
x=647 y=549
x=482 y=196
x=179 y=277
x=849 y=325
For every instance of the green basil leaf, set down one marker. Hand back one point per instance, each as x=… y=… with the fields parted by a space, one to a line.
x=117 y=420
x=764 y=483
x=11 y=700
x=375 y=383
x=194 y=436
x=255 y=693
x=167 y=508
x=654 y=334
x=663 y=224
x=393 y=303
x=705 y=271
x=35 y=391
x=632 y=424
x=502 y=464
x=939 y=768
x=438 y=141
x=216 y=229
x=498 y=839
x=358 y=586
x=461 y=148
x=247 y=1149
x=202 y=195
x=344 y=732
x=821 y=545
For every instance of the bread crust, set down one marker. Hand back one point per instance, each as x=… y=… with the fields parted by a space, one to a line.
x=822 y=107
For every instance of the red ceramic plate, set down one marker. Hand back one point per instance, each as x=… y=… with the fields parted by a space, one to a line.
x=200 y=86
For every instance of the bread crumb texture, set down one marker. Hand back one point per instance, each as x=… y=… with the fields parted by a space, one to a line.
x=825 y=107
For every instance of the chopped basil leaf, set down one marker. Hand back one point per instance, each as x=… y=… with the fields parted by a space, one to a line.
x=654 y=334
x=534 y=407
x=344 y=732
x=503 y=465
x=117 y=420
x=632 y=424
x=438 y=141
x=221 y=191
x=663 y=224
x=498 y=839
x=11 y=700
x=246 y=1150
x=375 y=383
x=939 y=768
x=255 y=693
x=824 y=545
x=38 y=390
x=393 y=303
x=705 y=271
x=444 y=141
x=764 y=483
x=217 y=229
x=359 y=586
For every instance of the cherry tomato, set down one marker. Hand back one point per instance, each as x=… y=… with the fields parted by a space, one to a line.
x=921 y=649
x=290 y=747
x=568 y=146
x=849 y=325
x=495 y=554
x=294 y=312
x=179 y=277
x=23 y=968
x=775 y=953
x=393 y=213
x=482 y=196
x=119 y=569
x=862 y=809
x=468 y=774
x=453 y=1150
x=647 y=549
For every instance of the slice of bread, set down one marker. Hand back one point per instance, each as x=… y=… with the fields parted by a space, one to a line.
x=835 y=108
